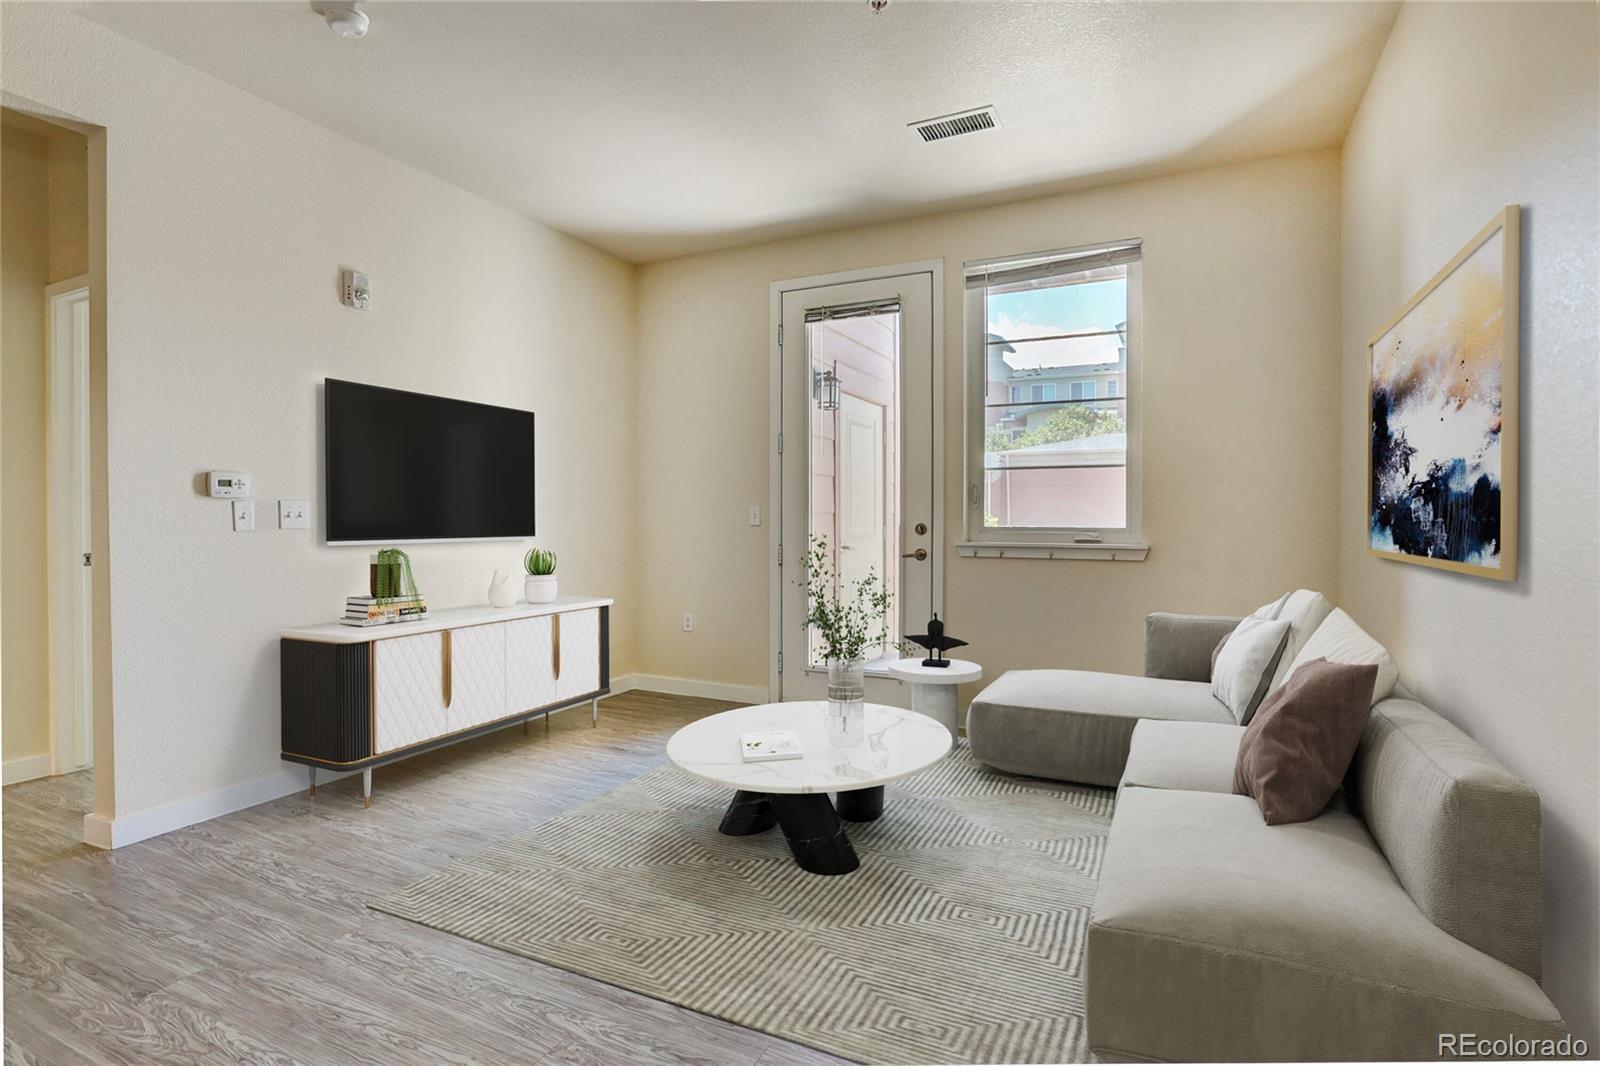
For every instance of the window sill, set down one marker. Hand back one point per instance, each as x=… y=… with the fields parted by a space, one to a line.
x=1119 y=553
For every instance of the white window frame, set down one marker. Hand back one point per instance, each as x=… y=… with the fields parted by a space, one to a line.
x=1124 y=544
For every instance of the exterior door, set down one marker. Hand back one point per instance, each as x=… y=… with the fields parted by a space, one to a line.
x=857 y=460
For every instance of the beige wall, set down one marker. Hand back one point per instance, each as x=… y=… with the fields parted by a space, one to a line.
x=25 y=251
x=227 y=222
x=1474 y=107
x=1241 y=355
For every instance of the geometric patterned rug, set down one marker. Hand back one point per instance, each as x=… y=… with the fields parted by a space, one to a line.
x=959 y=939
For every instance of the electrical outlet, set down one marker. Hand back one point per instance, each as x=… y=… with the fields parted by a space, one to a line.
x=755 y=514
x=244 y=516
x=294 y=514
x=688 y=622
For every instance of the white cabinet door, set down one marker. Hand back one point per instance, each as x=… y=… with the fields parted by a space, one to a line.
x=477 y=675
x=578 y=671
x=408 y=696
x=530 y=665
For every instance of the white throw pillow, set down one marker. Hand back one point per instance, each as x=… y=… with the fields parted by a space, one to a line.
x=1304 y=610
x=1340 y=640
x=1246 y=663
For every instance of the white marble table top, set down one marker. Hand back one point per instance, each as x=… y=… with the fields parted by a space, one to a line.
x=896 y=742
x=959 y=672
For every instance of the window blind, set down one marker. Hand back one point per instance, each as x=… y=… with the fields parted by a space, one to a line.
x=993 y=273
x=860 y=310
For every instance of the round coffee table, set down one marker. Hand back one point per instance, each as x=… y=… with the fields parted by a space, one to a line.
x=933 y=688
x=793 y=793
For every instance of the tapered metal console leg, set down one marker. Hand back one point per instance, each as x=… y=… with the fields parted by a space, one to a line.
x=313 y=774
x=748 y=813
x=366 y=787
x=594 y=712
x=816 y=839
x=861 y=804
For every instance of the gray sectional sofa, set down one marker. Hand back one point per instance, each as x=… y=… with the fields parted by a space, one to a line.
x=1410 y=908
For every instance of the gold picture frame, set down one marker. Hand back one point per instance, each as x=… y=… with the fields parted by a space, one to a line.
x=1442 y=377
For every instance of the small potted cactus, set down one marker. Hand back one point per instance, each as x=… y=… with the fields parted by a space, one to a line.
x=540 y=584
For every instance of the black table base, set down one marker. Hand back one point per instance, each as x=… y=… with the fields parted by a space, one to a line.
x=810 y=824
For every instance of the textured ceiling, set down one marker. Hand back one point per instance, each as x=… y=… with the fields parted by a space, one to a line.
x=660 y=129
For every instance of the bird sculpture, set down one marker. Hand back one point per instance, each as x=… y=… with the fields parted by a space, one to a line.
x=936 y=643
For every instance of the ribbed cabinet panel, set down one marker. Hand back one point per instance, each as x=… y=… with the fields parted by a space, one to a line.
x=326 y=700
x=410 y=690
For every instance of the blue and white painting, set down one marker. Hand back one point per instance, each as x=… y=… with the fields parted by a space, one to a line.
x=1437 y=396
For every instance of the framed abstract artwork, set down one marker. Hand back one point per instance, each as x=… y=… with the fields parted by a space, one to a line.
x=1442 y=422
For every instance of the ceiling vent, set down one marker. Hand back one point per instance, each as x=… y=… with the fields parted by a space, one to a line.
x=973 y=121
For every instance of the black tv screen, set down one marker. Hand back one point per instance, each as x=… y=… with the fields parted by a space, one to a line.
x=402 y=466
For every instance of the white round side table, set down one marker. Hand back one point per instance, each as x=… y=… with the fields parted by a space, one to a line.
x=933 y=688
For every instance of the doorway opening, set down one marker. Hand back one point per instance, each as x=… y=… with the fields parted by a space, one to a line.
x=47 y=422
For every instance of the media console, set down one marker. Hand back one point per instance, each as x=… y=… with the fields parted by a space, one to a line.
x=356 y=698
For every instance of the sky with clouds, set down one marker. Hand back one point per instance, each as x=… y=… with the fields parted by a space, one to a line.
x=1088 y=307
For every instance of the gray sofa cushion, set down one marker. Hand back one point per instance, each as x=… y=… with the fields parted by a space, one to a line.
x=1178 y=647
x=1461 y=831
x=1214 y=936
x=1076 y=725
x=1197 y=756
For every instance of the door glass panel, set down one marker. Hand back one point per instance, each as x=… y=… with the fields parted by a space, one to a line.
x=855 y=455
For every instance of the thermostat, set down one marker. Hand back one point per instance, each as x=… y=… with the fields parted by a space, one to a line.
x=227 y=484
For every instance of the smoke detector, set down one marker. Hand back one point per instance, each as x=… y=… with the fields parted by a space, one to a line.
x=346 y=20
x=972 y=121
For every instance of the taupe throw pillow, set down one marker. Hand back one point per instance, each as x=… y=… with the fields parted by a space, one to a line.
x=1296 y=749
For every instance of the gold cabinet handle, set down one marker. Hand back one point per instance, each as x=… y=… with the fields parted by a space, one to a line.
x=444 y=647
x=555 y=647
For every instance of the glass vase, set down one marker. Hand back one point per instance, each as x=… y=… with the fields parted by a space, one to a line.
x=846 y=690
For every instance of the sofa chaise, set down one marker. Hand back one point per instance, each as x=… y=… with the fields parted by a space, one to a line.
x=1409 y=909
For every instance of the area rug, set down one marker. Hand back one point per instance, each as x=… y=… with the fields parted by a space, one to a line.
x=960 y=938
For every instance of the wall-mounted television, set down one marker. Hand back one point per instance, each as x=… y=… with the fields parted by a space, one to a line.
x=405 y=467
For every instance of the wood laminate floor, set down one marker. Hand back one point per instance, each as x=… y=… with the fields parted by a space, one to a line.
x=248 y=938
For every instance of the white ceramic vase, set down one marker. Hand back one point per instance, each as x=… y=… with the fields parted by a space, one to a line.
x=539 y=588
x=501 y=591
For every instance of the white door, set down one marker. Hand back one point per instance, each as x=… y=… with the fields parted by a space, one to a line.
x=69 y=522
x=862 y=492
x=857 y=459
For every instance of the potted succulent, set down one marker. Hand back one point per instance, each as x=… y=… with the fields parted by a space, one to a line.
x=846 y=623
x=540 y=584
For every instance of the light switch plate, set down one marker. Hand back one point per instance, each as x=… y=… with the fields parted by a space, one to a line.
x=244 y=516
x=294 y=514
x=755 y=514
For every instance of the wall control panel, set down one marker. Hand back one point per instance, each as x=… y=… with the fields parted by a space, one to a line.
x=227 y=484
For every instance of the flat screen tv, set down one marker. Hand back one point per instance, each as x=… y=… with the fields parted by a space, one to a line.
x=403 y=466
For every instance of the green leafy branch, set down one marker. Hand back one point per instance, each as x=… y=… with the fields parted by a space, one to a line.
x=846 y=623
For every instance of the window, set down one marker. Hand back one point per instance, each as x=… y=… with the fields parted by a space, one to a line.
x=1061 y=480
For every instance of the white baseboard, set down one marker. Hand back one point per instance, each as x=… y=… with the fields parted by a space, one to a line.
x=682 y=686
x=102 y=832
x=15 y=771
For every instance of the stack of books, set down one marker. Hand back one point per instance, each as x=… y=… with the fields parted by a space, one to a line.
x=382 y=611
